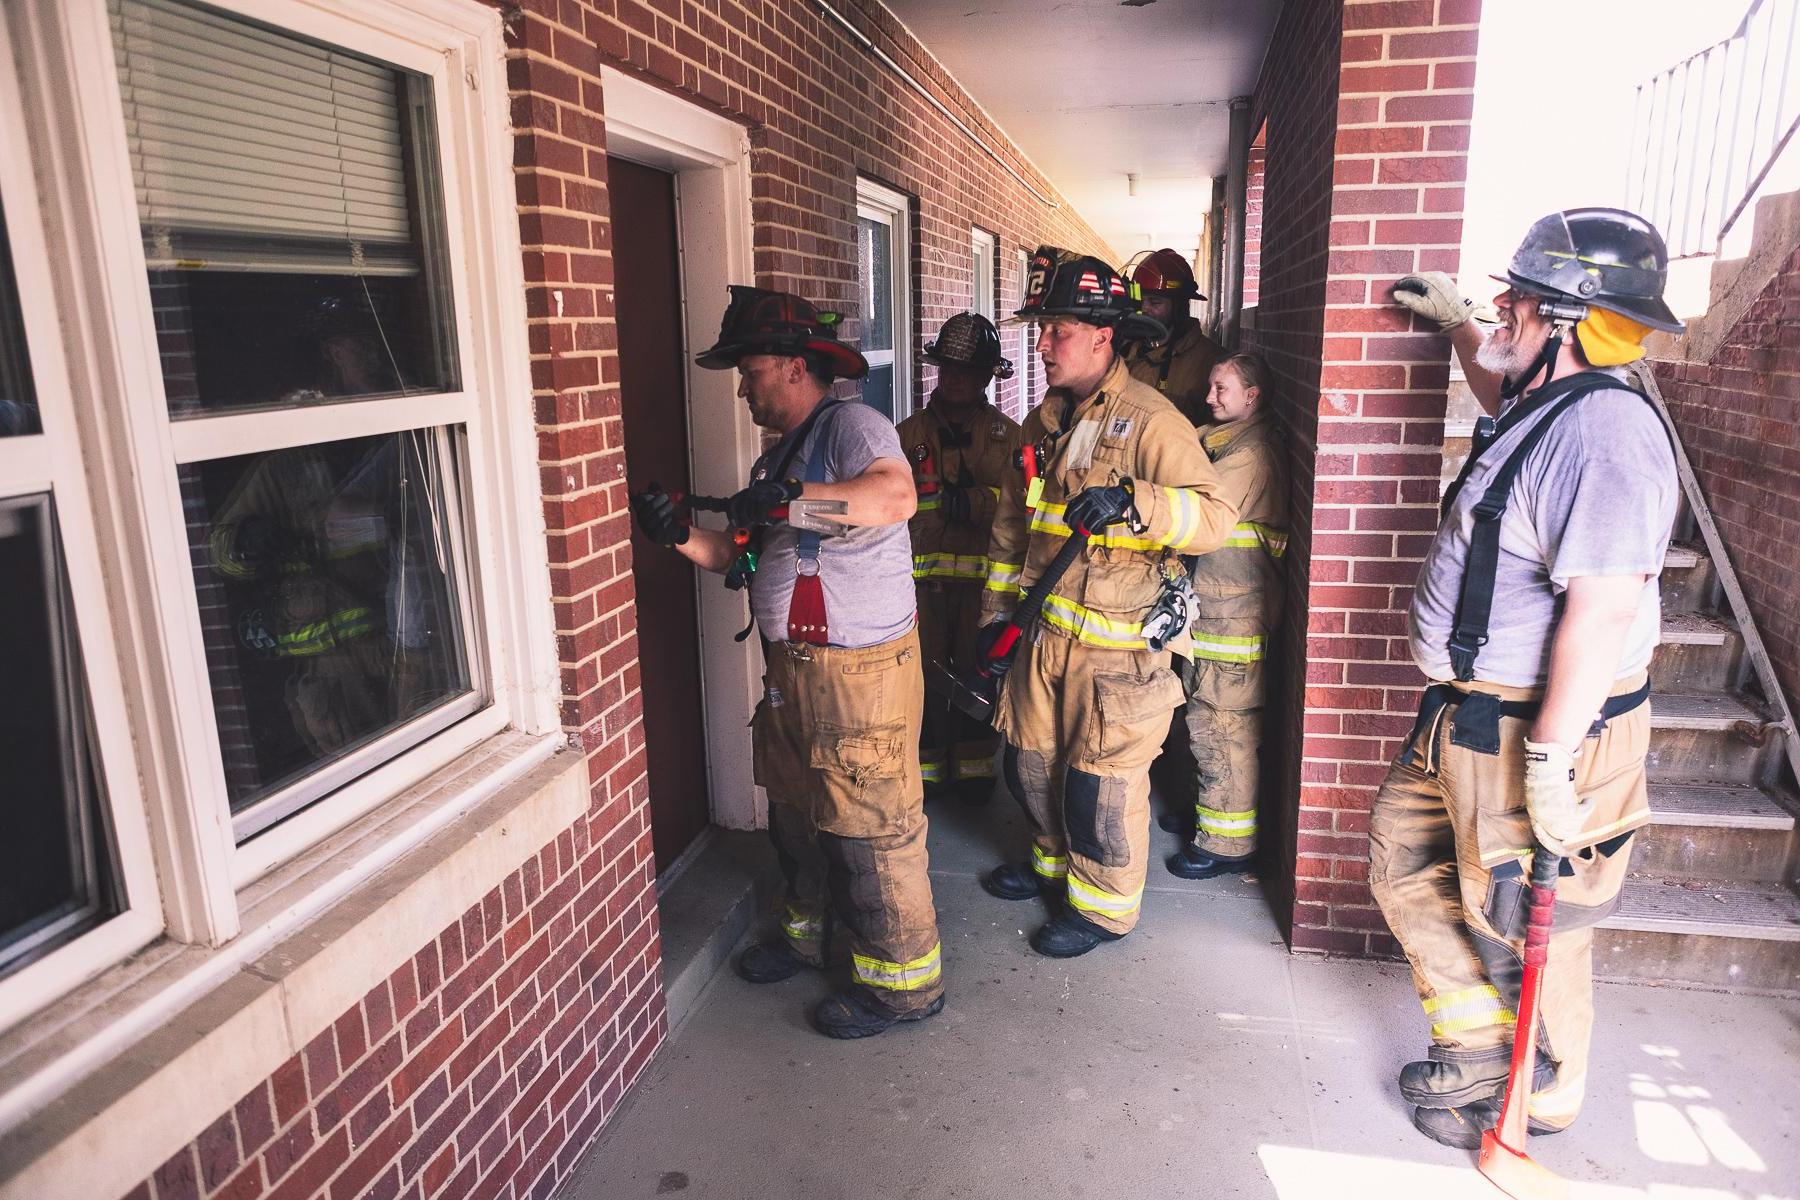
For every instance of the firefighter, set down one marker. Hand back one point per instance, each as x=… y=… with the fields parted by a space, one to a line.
x=836 y=732
x=1180 y=365
x=1237 y=593
x=1084 y=708
x=1535 y=617
x=961 y=447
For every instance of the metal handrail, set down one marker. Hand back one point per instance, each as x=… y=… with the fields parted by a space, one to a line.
x=1708 y=131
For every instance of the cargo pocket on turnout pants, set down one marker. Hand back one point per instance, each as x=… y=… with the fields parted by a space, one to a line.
x=862 y=779
x=1131 y=719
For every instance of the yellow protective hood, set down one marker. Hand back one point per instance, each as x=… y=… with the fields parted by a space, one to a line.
x=1610 y=339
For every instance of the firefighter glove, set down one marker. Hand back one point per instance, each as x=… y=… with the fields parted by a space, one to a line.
x=1557 y=812
x=1098 y=507
x=1434 y=296
x=985 y=637
x=654 y=511
x=755 y=506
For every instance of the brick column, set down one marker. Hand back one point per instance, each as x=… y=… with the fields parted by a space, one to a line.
x=1405 y=96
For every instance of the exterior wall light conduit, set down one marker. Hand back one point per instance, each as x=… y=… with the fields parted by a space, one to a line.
x=869 y=45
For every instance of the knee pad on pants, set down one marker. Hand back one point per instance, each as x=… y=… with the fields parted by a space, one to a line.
x=1094 y=812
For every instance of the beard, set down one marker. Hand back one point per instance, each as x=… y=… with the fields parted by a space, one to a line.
x=1505 y=355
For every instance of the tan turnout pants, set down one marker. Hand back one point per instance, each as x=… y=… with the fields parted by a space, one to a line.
x=1224 y=725
x=834 y=742
x=1449 y=843
x=1082 y=725
x=952 y=746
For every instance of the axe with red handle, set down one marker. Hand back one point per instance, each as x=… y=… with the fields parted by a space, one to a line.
x=1503 y=1158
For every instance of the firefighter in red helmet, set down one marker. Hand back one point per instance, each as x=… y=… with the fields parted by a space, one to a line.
x=1180 y=366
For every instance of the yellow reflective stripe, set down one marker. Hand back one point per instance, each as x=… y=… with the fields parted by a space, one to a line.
x=950 y=566
x=1048 y=518
x=1184 y=515
x=928 y=503
x=932 y=772
x=1004 y=577
x=1086 y=625
x=1051 y=866
x=320 y=636
x=1470 y=1008
x=921 y=972
x=975 y=768
x=1225 y=824
x=802 y=927
x=1251 y=535
x=1091 y=899
x=1221 y=647
x=995 y=492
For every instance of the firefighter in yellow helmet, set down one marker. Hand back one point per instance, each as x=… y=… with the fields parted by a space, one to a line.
x=1237 y=603
x=961 y=448
x=1535 y=617
x=1086 y=704
x=1180 y=365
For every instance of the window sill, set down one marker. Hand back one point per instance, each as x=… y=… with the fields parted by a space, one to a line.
x=104 y=1086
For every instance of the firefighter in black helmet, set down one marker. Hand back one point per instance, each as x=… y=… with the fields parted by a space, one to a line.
x=1535 y=616
x=961 y=448
x=1087 y=703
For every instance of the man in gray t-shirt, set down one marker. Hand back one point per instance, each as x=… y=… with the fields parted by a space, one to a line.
x=836 y=731
x=1535 y=622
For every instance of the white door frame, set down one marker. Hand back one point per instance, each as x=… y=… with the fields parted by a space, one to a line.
x=710 y=158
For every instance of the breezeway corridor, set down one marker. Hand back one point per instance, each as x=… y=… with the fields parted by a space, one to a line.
x=1197 y=1058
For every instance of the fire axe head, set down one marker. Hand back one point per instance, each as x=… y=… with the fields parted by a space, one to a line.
x=973 y=698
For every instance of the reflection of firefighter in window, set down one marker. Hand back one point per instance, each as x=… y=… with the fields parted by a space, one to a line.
x=311 y=556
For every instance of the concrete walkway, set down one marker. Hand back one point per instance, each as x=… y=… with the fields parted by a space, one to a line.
x=1197 y=1058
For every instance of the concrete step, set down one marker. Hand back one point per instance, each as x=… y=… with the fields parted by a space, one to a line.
x=1728 y=935
x=1716 y=831
x=1711 y=737
x=705 y=903
x=1689 y=583
x=1700 y=652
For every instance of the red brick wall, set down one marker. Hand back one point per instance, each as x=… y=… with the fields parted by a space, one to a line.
x=1363 y=184
x=1737 y=419
x=485 y=1065
x=1253 y=222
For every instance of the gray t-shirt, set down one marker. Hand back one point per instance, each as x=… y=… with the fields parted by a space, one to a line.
x=1595 y=497
x=867 y=573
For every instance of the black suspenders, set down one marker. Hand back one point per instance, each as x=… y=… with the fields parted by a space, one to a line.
x=1475 y=602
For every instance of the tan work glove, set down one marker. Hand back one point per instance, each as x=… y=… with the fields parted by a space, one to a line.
x=1557 y=814
x=1433 y=295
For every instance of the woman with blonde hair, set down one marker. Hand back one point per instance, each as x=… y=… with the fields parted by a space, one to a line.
x=1239 y=592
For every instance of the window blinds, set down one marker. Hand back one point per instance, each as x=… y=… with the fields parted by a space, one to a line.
x=252 y=149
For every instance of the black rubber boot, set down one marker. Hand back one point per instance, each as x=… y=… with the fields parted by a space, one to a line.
x=847 y=1015
x=1191 y=863
x=1067 y=935
x=1463 y=1127
x=1451 y=1079
x=1174 y=822
x=770 y=962
x=1012 y=881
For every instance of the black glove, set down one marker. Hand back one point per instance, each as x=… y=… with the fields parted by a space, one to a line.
x=755 y=506
x=953 y=501
x=1098 y=507
x=655 y=514
x=985 y=637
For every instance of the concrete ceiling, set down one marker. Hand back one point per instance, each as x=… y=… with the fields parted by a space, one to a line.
x=1094 y=91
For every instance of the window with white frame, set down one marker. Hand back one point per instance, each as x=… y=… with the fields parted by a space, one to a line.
x=983 y=251
x=301 y=405
x=884 y=275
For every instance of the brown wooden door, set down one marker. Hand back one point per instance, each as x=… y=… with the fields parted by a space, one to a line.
x=653 y=384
